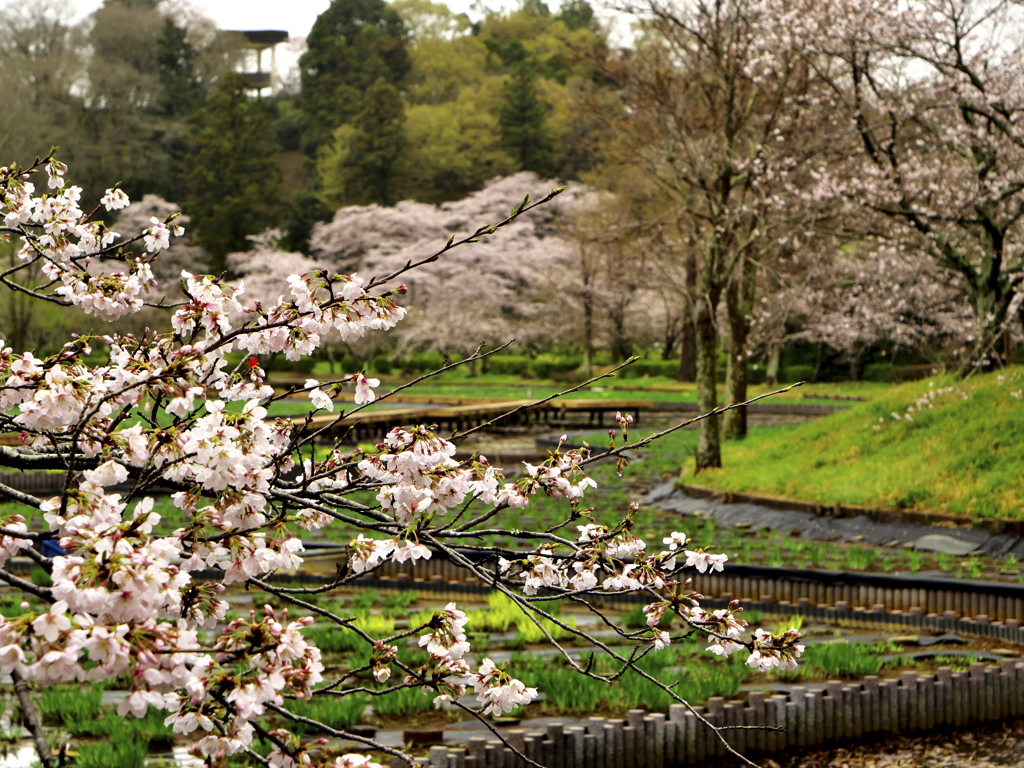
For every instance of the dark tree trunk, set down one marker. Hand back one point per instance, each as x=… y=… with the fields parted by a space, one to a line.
x=771 y=377
x=739 y=298
x=709 y=448
x=587 y=301
x=688 y=336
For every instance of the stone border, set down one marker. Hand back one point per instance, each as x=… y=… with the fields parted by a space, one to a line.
x=806 y=717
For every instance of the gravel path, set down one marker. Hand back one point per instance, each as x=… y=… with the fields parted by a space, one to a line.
x=981 y=747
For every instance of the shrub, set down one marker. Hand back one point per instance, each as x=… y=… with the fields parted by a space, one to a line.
x=40 y=577
x=757 y=373
x=509 y=365
x=641 y=368
x=421 y=362
x=280 y=363
x=546 y=366
x=635 y=618
x=792 y=373
x=398 y=604
x=885 y=372
x=381 y=364
x=364 y=601
x=528 y=632
x=502 y=614
x=332 y=638
x=147 y=729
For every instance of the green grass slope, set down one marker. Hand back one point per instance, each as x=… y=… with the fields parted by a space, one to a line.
x=935 y=445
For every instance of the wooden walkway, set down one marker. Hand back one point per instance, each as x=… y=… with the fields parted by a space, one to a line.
x=462 y=415
x=454 y=414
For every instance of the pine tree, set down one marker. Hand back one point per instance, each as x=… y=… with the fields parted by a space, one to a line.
x=353 y=44
x=360 y=168
x=522 y=118
x=232 y=172
x=180 y=93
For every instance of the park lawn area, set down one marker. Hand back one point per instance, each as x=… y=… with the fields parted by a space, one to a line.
x=656 y=388
x=941 y=445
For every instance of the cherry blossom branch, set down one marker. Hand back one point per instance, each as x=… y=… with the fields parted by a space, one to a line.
x=630 y=663
x=443 y=369
x=11 y=457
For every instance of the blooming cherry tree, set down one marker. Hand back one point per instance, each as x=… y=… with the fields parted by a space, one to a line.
x=132 y=599
x=931 y=97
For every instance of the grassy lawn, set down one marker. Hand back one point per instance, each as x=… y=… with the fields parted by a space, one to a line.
x=657 y=388
x=934 y=445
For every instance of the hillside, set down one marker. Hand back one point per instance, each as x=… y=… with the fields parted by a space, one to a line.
x=935 y=445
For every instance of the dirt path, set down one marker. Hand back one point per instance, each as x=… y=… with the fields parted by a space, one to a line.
x=979 y=747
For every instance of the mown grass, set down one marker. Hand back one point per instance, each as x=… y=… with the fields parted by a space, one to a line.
x=656 y=388
x=963 y=455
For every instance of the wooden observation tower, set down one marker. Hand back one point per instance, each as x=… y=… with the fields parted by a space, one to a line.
x=260 y=40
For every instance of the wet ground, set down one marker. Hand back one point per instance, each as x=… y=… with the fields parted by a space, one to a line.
x=955 y=541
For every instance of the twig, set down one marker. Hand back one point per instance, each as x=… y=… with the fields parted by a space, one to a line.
x=343 y=734
x=43 y=593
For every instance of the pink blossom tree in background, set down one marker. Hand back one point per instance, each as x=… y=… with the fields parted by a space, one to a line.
x=488 y=294
x=182 y=253
x=931 y=94
x=900 y=299
x=166 y=409
x=528 y=283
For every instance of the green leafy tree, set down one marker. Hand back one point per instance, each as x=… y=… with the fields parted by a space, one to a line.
x=232 y=173
x=121 y=120
x=145 y=76
x=352 y=45
x=360 y=167
x=447 y=58
x=452 y=149
x=43 y=53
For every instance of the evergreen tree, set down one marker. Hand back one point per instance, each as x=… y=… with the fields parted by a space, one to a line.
x=180 y=92
x=577 y=14
x=360 y=167
x=522 y=119
x=232 y=173
x=352 y=45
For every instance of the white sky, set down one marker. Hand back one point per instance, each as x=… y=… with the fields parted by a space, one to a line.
x=296 y=17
